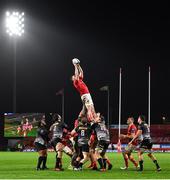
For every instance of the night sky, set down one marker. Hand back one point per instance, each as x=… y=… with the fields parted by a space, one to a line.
x=104 y=37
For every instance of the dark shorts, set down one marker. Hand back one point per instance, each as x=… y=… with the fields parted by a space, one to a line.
x=39 y=147
x=146 y=144
x=55 y=141
x=76 y=148
x=83 y=148
x=102 y=146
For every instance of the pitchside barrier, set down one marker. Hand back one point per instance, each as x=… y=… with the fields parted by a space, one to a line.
x=156 y=148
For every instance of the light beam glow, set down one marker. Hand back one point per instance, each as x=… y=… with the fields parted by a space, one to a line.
x=15 y=23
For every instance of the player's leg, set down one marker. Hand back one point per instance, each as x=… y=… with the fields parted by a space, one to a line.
x=140 y=155
x=84 y=160
x=40 y=159
x=125 y=157
x=58 y=166
x=94 y=157
x=78 y=159
x=99 y=158
x=44 y=159
x=104 y=159
x=76 y=153
x=91 y=159
x=73 y=160
x=85 y=152
x=93 y=164
x=59 y=148
x=86 y=111
x=153 y=158
x=88 y=106
x=77 y=162
x=142 y=148
x=68 y=151
x=126 y=154
x=130 y=157
x=41 y=151
x=108 y=163
x=91 y=114
x=103 y=153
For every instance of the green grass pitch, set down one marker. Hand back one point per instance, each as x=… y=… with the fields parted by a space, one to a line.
x=21 y=165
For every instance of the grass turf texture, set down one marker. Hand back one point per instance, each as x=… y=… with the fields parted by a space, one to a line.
x=21 y=165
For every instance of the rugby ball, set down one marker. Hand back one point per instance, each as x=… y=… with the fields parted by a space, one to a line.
x=75 y=61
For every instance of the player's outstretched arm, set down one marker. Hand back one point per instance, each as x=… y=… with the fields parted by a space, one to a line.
x=81 y=74
x=76 y=72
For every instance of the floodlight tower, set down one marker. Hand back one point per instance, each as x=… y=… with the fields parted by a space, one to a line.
x=14 y=23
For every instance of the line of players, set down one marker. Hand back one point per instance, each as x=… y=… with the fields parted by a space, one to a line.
x=86 y=140
x=90 y=141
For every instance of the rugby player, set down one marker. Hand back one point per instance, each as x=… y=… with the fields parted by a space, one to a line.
x=74 y=140
x=83 y=130
x=103 y=141
x=57 y=129
x=40 y=143
x=127 y=153
x=93 y=143
x=77 y=78
x=143 y=133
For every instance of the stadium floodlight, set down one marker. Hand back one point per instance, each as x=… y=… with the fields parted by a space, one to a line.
x=14 y=23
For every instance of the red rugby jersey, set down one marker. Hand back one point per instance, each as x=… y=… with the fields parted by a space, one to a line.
x=132 y=129
x=81 y=86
